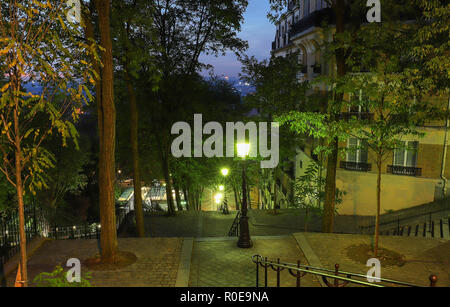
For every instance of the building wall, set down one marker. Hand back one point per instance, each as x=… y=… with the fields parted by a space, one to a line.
x=397 y=192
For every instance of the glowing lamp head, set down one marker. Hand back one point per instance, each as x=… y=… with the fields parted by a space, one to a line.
x=243 y=150
x=218 y=198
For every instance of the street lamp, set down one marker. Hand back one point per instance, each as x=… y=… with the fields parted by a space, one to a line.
x=225 y=171
x=244 y=233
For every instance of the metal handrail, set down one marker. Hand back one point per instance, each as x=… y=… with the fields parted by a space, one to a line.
x=298 y=271
x=234 y=230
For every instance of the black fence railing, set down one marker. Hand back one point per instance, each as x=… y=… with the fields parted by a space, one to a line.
x=356 y=166
x=404 y=170
x=234 y=230
x=331 y=278
x=36 y=224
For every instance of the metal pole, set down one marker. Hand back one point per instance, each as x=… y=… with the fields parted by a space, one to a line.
x=244 y=234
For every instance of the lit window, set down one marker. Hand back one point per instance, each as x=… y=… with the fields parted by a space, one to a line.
x=357 y=150
x=406 y=155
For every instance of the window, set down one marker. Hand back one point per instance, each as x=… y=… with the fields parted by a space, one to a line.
x=357 y=107
x=318 y=5
x=357 y=150
x=305 y=8
x=406 y=155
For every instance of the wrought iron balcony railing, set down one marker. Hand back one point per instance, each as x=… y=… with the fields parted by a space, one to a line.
x=404 y=170
x=356 y=166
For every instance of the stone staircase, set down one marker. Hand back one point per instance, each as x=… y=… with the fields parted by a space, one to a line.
x=428 y=221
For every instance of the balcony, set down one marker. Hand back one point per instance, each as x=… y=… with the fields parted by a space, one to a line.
x=356 y=166
x=358 y=115
x=315 y=19
x=404 y=170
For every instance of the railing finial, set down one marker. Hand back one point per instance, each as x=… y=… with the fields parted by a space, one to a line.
x=433 y=280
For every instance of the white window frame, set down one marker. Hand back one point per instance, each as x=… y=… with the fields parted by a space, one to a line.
x=405 y=156
x=358 y=151
x=360 y=109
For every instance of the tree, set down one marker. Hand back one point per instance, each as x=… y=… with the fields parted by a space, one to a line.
x=185 y=30
x=309 y=192
x=340 y=45
x=404 y=85
x=38 y=44
x=134 y=48
x=106 y=112
x=66 y=178
x=277 y=91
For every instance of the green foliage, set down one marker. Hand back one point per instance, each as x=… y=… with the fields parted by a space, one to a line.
x=58 y=278
x=310 y=191
x=44 y=48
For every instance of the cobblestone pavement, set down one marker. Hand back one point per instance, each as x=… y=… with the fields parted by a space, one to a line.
x=156 y=265
x=223 y=264
x=424 y=257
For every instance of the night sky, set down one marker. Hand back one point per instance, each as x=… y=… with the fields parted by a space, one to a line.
x=259 y=33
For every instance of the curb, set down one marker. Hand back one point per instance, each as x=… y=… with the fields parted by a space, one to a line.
x=32 y=247
x=184 y=267
x=310 y=256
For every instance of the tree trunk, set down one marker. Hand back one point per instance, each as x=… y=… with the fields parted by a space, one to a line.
x=330 y=185
x=177 y=195
x=330 y=190
x=138 y=208
x=107 y=131
x=275 y=190
x=20 y=192
x=169 y=196
x=377 y=219
x=185 y=194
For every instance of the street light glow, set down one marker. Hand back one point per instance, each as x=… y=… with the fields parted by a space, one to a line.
x=243 y=149
x=218 y=198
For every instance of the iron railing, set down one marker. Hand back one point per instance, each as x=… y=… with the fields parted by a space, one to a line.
x=331 y=278
x=404 y=170
x=35 y=224
x=356 y=166
x=234 y=230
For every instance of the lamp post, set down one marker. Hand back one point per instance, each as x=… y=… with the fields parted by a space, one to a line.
x=244 y=233
x=225 y=210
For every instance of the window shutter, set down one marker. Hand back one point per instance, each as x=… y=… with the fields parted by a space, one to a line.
x=364 y=150
x=411 y=159
x=352 y=154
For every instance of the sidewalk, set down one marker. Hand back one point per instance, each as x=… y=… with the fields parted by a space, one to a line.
x=156 y=266
x=424 y=256
x=220 y=263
